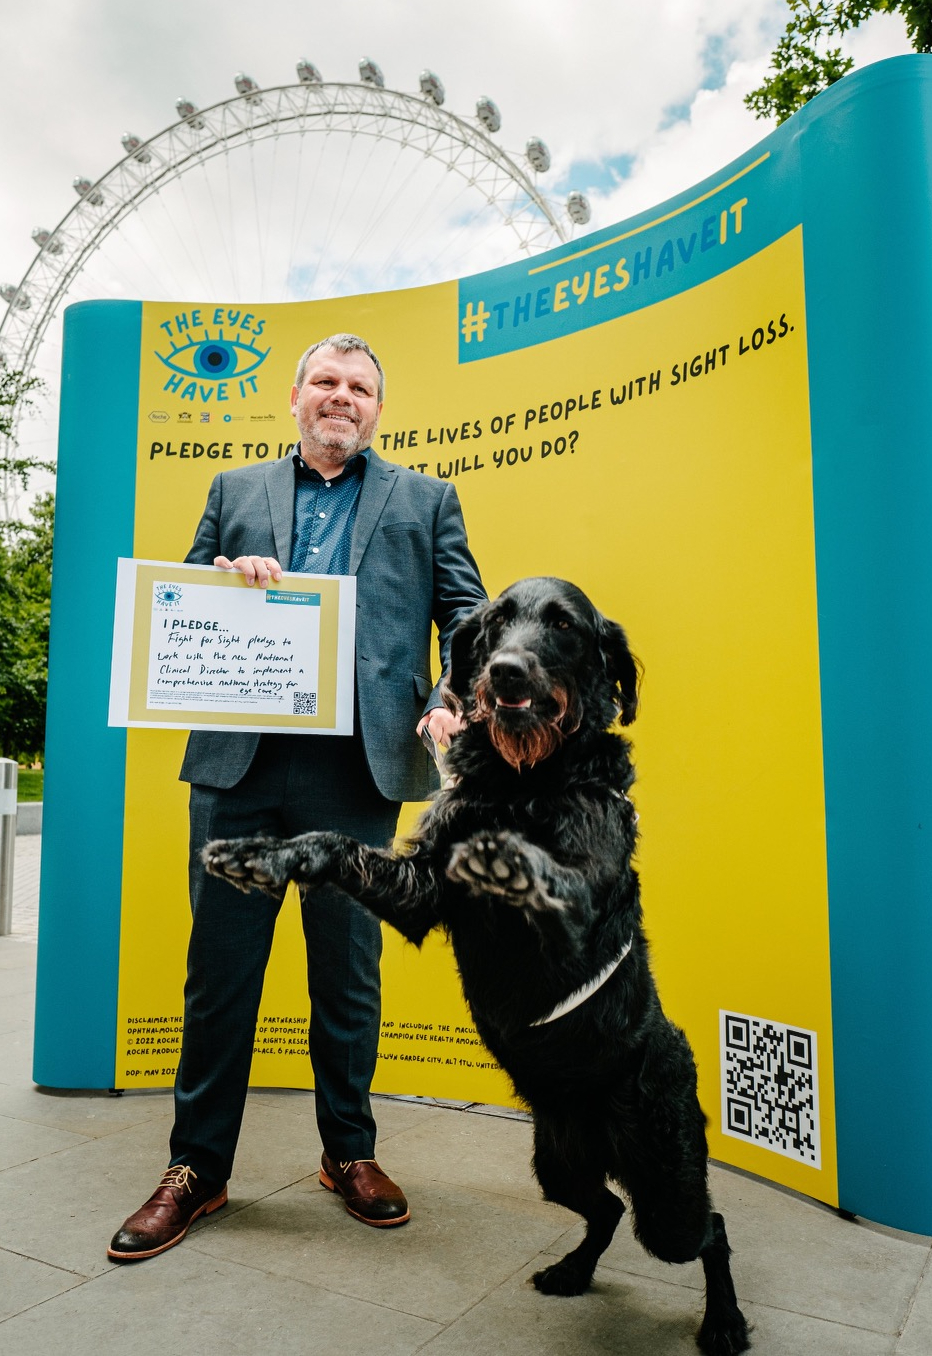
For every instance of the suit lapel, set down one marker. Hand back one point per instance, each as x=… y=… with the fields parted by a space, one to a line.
x=377 y=485
x=279 y=487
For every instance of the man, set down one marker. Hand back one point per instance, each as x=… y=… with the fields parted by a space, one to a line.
x=333 y=507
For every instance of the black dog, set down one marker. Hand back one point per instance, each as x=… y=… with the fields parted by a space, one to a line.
x=525 y=861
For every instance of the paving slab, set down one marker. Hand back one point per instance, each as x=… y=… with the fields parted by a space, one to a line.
x=191 y=1302
x=917 y=1334
x=488 y=1152
x=25 y=1283
x=86 y=1112
x=459 y=1244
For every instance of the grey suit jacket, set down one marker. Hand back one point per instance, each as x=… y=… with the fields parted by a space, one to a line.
x=412 y=565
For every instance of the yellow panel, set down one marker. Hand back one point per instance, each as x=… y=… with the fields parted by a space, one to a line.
x=682 y=503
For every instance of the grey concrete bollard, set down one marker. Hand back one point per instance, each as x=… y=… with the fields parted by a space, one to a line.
x=9 y=778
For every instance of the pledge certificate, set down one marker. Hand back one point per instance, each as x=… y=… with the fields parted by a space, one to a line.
x=195 y=649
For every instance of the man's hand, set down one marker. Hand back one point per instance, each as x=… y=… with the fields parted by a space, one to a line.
x=255 y=569
x=441 y=725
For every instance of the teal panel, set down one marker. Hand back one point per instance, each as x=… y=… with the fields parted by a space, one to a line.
x=867 y=185
x=82 y=830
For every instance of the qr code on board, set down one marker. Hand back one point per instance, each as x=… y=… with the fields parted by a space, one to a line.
x=770 y=1086
x=305 y=703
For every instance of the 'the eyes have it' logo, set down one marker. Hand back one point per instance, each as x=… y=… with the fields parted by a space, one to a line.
x=213 y=354
x=168 y=596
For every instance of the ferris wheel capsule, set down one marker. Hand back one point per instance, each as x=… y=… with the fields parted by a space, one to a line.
x=246 y=85
x=133 y=146
x=47 y=241
x=17 y=297
x=308 y=73
x=488 y=114
x=371 y=74
x=189 y=113
x=538 y=154
x=432 y=88
x=86 y=190
x=578 y=209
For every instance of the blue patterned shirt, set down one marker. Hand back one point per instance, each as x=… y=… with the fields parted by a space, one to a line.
x=324 y=514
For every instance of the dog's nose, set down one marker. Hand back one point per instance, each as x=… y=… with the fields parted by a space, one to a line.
x=507 y=668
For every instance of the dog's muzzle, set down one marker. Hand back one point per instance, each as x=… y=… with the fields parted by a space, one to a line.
x=527 y=714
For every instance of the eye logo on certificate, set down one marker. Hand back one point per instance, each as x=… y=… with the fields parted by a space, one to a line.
x=195 y=648
x=168 y=595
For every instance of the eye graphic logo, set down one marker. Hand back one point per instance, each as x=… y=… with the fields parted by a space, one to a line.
x=168 y=596
x=214 y=363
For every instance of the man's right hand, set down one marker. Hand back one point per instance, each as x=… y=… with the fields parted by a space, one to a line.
x=255 y=569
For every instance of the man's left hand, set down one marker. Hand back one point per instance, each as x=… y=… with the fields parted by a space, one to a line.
x=441 y=725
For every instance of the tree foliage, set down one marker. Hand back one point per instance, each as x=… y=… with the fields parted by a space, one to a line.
x=25 y=586
x=15 y=388
x=804 y=63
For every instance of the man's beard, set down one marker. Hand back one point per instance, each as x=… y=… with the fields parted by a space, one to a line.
x=335 y=445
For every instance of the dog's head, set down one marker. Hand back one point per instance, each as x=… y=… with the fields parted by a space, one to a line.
x=537 y=664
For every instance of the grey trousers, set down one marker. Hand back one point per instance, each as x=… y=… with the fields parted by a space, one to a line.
x=296 y=783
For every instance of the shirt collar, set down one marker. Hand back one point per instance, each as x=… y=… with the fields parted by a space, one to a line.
x=354 y=466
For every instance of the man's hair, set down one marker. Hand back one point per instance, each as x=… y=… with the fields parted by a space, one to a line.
x=343 y=343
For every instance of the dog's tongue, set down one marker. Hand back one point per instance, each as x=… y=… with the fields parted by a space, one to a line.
x=514 y=706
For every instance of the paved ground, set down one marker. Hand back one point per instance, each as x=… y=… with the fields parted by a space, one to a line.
x=283 y=1269
x=28 y=850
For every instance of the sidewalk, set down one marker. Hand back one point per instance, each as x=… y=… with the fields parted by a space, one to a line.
x=283 y=1269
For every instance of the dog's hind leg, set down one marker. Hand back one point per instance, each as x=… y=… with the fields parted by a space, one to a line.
x=724 y=1330
x=578 y=1183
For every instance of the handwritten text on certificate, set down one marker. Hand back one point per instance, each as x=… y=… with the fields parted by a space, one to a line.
x=255 y=649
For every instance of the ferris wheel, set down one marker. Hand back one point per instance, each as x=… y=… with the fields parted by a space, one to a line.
x=307 y=190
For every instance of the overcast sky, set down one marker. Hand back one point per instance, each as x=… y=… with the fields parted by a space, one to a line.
x=650 y=93
x=637 y=101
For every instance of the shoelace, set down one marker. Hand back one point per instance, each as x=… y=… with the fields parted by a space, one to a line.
x=178 y=1177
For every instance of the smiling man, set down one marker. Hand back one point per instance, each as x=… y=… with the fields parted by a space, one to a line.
x=332 y=507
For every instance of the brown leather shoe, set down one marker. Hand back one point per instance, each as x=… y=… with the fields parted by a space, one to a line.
x=368 y=1193
x=166 y=1216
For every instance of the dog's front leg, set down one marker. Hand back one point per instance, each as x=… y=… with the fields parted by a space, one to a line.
x=401 y=890
x=509 y=868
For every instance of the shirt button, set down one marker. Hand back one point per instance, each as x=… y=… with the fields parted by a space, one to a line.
x=315 y=550
x=321 y=515
x=327 y=483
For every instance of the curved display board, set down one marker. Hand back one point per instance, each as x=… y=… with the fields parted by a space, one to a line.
x=713 y=418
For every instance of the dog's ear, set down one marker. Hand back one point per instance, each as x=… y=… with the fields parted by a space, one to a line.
x=623 y=670
x=463 y=660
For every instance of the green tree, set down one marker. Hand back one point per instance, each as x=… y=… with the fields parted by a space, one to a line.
x=803 y=62
x=15 y=388
x=25 y=587
x=25 y=584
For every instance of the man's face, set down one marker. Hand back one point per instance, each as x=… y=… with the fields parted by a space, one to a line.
x=337 y=407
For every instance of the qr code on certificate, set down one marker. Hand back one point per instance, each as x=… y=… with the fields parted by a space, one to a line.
x=305 y=703
x=770 y=1086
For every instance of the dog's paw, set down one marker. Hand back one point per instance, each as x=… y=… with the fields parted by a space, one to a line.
x=250 y=863
x=501 y=864
x=566 y=1277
